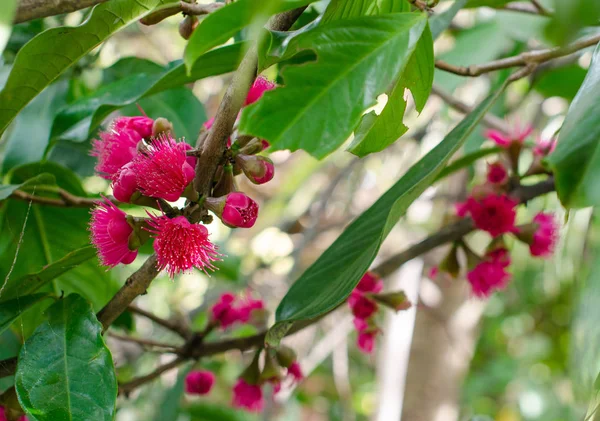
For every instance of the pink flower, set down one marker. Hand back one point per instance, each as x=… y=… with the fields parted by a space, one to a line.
x=490 y=274
x=360 y=324
x=497 y=174
x=180 y=246
x=248 y=396
x=163 y=171
x=125 y=183
x=545 y=236
x=115 y=148
x=433 y=272
x=139 y=124
x=370 y=282
x=199 y=382
x=516 y=135
x=366 y=341
x=229 y=309
x=544 y=147
x=295 y=371
x=110 y=234
x=494 y=213
x=260 y=86
x=246 y=306
x=363 y=308
x=239 y=211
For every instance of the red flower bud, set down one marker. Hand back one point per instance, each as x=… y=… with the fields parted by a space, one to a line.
x=259 y=169
x=199 y=382
x=236 y=210
x=125 y=183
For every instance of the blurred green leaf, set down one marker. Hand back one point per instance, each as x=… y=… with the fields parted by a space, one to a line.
x=225 y=22
x=76 y=121
x=345 y=9
x=465 y=161
x=563 y=81
x=60 y=49
x=7 y=11
x=65 y=371
x=576 y=160
x=7 y=189
x=440 y=22
x=169 y=407
x=10 y=310
x=570 y=17
x=212 y=412
x=321 y=102
x=328 y=282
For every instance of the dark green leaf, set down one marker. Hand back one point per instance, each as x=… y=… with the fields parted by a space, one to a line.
x=224 y=23
x=7 y=11
x=49 y=54
x=328 y=282
x=76 y=121
x=576 y=160
x=345 y=9
x=7 y=189
x=321 y=102
x=466 y=160
x=65 y=371
x=563 y=81
x=10 y=310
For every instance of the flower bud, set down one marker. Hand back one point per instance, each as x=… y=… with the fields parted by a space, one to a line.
x=187 y=26
x=258 y=169
x=450 y=264
x=286 y=356
x=253 y=147
x=271 y=371
x=161 y=125
x=236 y=210
x=199 y=382
x=125 y=183
x=395 y=300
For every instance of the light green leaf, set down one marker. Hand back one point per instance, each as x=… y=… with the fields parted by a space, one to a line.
x=76 y=121
x=65 y=371
x=576 y=160
x=466 y=160
x=7 y=189
x=10 y=310
x=7 y=12
x=49 y=54
x=345 y=9
x=329 y=281
x=440 y=22
x=224 y=23
x=321 y=102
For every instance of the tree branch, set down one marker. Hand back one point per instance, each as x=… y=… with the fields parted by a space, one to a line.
x=529 y=58
x=67 y=199
x=35 y=9
x=175 y=327
x=144 y=343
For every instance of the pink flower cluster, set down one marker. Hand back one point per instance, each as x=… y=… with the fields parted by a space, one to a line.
x=364 y=309
x=493 y=210
x=231 y=309
x=146 y=164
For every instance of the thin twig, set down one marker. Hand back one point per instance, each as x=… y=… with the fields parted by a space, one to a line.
x=144 y=342
x=182 y=331
x=67 y=199
x=35 y=9
x=523 y=59
x=540 y=8
x=524 y=8
x=127 y=388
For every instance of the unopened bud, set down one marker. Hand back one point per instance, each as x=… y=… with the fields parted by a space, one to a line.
x=271 y=371
x=286 y=356
x=258 y=169
x=161 y=125
x=236 y=210
x=450 y=264
x=251 y=374
x=253 y=147
x=395 y=300
x=187 y=26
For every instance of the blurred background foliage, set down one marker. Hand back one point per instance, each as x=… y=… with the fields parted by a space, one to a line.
x=537 y=350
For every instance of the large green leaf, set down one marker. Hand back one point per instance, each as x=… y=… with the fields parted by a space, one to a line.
x=10 y=310
x=52 y=52
x=328 y=282
x=321 y=102
x=65 y=371
x=76 y=121
x=440 y=22
x=576 y=160
x=7 y=189
x=345 y=9
x=7 y=11
x=224 y=23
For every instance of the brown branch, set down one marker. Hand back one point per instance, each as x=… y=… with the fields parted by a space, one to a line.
x=524 y=59
x=175 y=327
x=525 y=8
x=144 y=342
x=541 y=9
x=127 y=388
x=489 y=120
x=67 y=199
x=35 y=9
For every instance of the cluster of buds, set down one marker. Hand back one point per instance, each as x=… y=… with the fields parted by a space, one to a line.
x=279 y=366
x=493 y=210
x=364 y=303
x=230 y=309
x=147 y=166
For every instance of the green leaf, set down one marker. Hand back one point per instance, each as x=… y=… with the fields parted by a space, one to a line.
x=7 y=11
x=345 y=9
x=576 y=160
x=224 y=23
x=563 y=81
x=466 y=160
x=169 y=407
x=179 y=106
x=328 y=282
x=321 y=102
x=440 y=22
x=10 y=310
x=65 y=371
x=78 y=120
x=7 y=189
x=27 y=142
x=205 y=411
x=52 y=52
